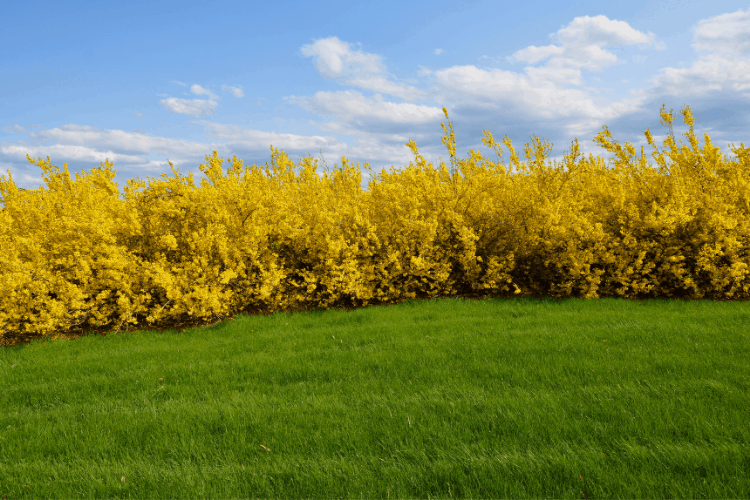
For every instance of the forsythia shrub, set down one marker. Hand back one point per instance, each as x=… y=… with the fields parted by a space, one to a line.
x=270 y=239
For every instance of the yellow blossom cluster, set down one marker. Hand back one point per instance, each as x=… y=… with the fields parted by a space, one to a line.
x=275 y=238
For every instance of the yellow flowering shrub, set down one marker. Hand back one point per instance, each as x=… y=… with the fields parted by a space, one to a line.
x=281 y=238
x=687 y=231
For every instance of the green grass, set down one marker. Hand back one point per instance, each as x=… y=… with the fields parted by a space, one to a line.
x=503 y=398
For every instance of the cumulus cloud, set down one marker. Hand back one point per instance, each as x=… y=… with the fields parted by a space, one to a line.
x=542 y=91
x=726 y=38
x=726 y=34
x=334 y=59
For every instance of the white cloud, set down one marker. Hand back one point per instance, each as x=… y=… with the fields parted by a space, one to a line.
x=242 y=137
x=19 y=150
x=198 y=90
x=726 y=34
x=582 y=42
x=533 y=54
x=15 y=129
x=350 y=105
x=542 y=91
x=114 y=140
x=438 y=52
x=195 y=107
x=334 y=58
x=726 y=67
x=236 y=91
x=127 y=151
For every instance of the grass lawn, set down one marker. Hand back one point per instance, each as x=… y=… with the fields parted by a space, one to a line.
x=498 y=398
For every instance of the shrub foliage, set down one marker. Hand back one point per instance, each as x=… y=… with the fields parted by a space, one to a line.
x=281 y=238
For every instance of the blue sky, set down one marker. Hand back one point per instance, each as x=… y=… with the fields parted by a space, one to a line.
x=141 y=83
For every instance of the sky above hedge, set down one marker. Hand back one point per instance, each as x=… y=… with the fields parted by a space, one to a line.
x=141 y=83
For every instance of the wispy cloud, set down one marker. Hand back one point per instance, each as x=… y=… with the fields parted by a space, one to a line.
x=198 y=90
x=193 y=107
x=13 y=129
x=236 y=91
